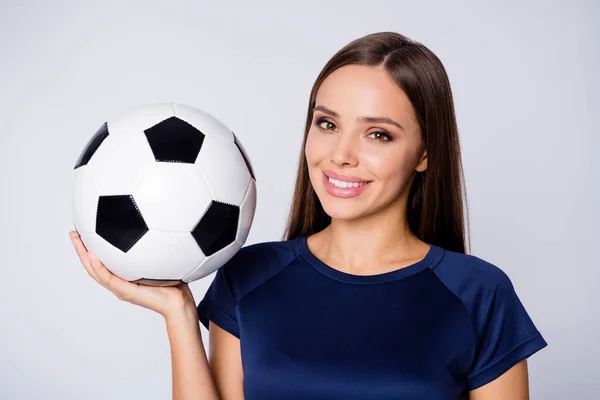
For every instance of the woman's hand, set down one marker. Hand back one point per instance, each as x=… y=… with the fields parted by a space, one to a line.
x=164 y=300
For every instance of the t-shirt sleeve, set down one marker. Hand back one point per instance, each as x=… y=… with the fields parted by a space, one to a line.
x=505 y=333
x=219 y=305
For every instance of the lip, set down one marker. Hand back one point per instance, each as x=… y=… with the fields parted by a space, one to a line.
x=341 y=177
x=343 y=193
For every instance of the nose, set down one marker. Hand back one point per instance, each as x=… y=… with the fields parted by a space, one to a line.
x=344 y=152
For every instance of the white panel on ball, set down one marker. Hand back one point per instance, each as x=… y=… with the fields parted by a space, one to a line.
x=157 y=255
x=165 y=255
x=84 y=202
x=224 y=169
x=213 y=262
x=119 y=163
x=203 y=121
x=247 y=210
x=172 y=197
x=114 y=259
x=140 y=118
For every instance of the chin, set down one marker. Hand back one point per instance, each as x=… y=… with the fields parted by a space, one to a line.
x=342 y=215
x=343 y=210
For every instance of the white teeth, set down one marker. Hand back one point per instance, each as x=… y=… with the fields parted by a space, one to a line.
x=344 y=184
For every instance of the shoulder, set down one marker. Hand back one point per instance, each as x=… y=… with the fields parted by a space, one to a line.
x=255 y=263
x=260 y=258
x=480 y=285
x=504 y=333
x=466 y=272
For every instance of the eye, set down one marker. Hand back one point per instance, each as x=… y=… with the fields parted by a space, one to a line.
x=324 y=124
x=381 y=135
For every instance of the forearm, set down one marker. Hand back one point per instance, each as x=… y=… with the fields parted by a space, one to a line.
x=191 y=374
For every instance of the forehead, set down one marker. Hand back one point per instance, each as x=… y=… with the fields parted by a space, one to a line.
x=354 y=90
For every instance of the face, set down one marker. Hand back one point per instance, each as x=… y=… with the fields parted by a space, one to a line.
x=364 y=146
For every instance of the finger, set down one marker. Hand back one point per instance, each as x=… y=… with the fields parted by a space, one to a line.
x=82 y=254
x=79 y=248
x=121 y=288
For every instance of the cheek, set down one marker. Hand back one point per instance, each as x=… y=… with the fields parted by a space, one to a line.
x=314 y=149
x=391 y=166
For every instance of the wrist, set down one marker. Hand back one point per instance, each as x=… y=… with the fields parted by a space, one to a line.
x=183 y=314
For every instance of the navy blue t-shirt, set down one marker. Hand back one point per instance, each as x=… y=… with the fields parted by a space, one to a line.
x=432 y=330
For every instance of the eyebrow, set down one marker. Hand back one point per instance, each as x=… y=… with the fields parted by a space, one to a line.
x=372 y=120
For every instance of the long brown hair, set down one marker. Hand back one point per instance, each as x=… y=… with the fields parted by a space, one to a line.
x=435 y=210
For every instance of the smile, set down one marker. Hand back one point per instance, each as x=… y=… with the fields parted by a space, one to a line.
x=344 y=184
x=344 y=189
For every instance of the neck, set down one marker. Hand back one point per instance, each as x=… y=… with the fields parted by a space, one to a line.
x=368 y=245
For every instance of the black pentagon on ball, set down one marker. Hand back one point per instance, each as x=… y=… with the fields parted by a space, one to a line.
x=174 y=140
x=217 y=228
x=92 y=145
x=238 y=144
x=119 y=221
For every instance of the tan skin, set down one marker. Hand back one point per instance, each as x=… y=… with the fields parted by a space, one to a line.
x=360 y=239
x=177 y=305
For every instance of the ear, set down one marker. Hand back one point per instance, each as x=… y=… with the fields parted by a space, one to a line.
x=422 y=165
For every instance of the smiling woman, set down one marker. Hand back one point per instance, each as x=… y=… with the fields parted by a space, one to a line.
x=371 y=294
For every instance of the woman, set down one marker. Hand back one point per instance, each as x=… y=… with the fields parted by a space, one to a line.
x=370 y=295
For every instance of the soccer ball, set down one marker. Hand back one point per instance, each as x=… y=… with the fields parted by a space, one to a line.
x=163 y=194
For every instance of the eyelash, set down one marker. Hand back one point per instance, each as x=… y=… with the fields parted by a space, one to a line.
x=387 y=136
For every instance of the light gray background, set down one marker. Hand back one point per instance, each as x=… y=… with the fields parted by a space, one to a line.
x=525 y=80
